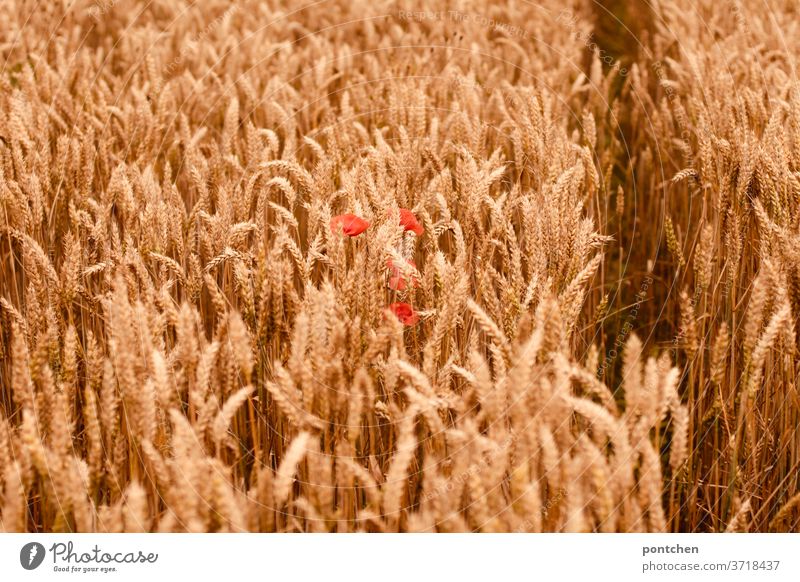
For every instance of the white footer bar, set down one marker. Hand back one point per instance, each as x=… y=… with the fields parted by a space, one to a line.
x=390 y=557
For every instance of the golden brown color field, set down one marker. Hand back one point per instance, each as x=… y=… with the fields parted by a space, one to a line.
x=399 y=266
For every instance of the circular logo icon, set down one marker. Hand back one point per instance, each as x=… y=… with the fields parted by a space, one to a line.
x=31 y=555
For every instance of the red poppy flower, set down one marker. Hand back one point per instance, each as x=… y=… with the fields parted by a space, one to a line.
x=349 y=224
x=405 y=313
x=410 y=222
x=397 y=281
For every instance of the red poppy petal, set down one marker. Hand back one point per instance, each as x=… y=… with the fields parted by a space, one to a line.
x=348 y=224
x=405 y=313
x=398 y=280
x=397 y=283
x=410 y=222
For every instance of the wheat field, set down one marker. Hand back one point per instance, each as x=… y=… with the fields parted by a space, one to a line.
x=417 y=266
